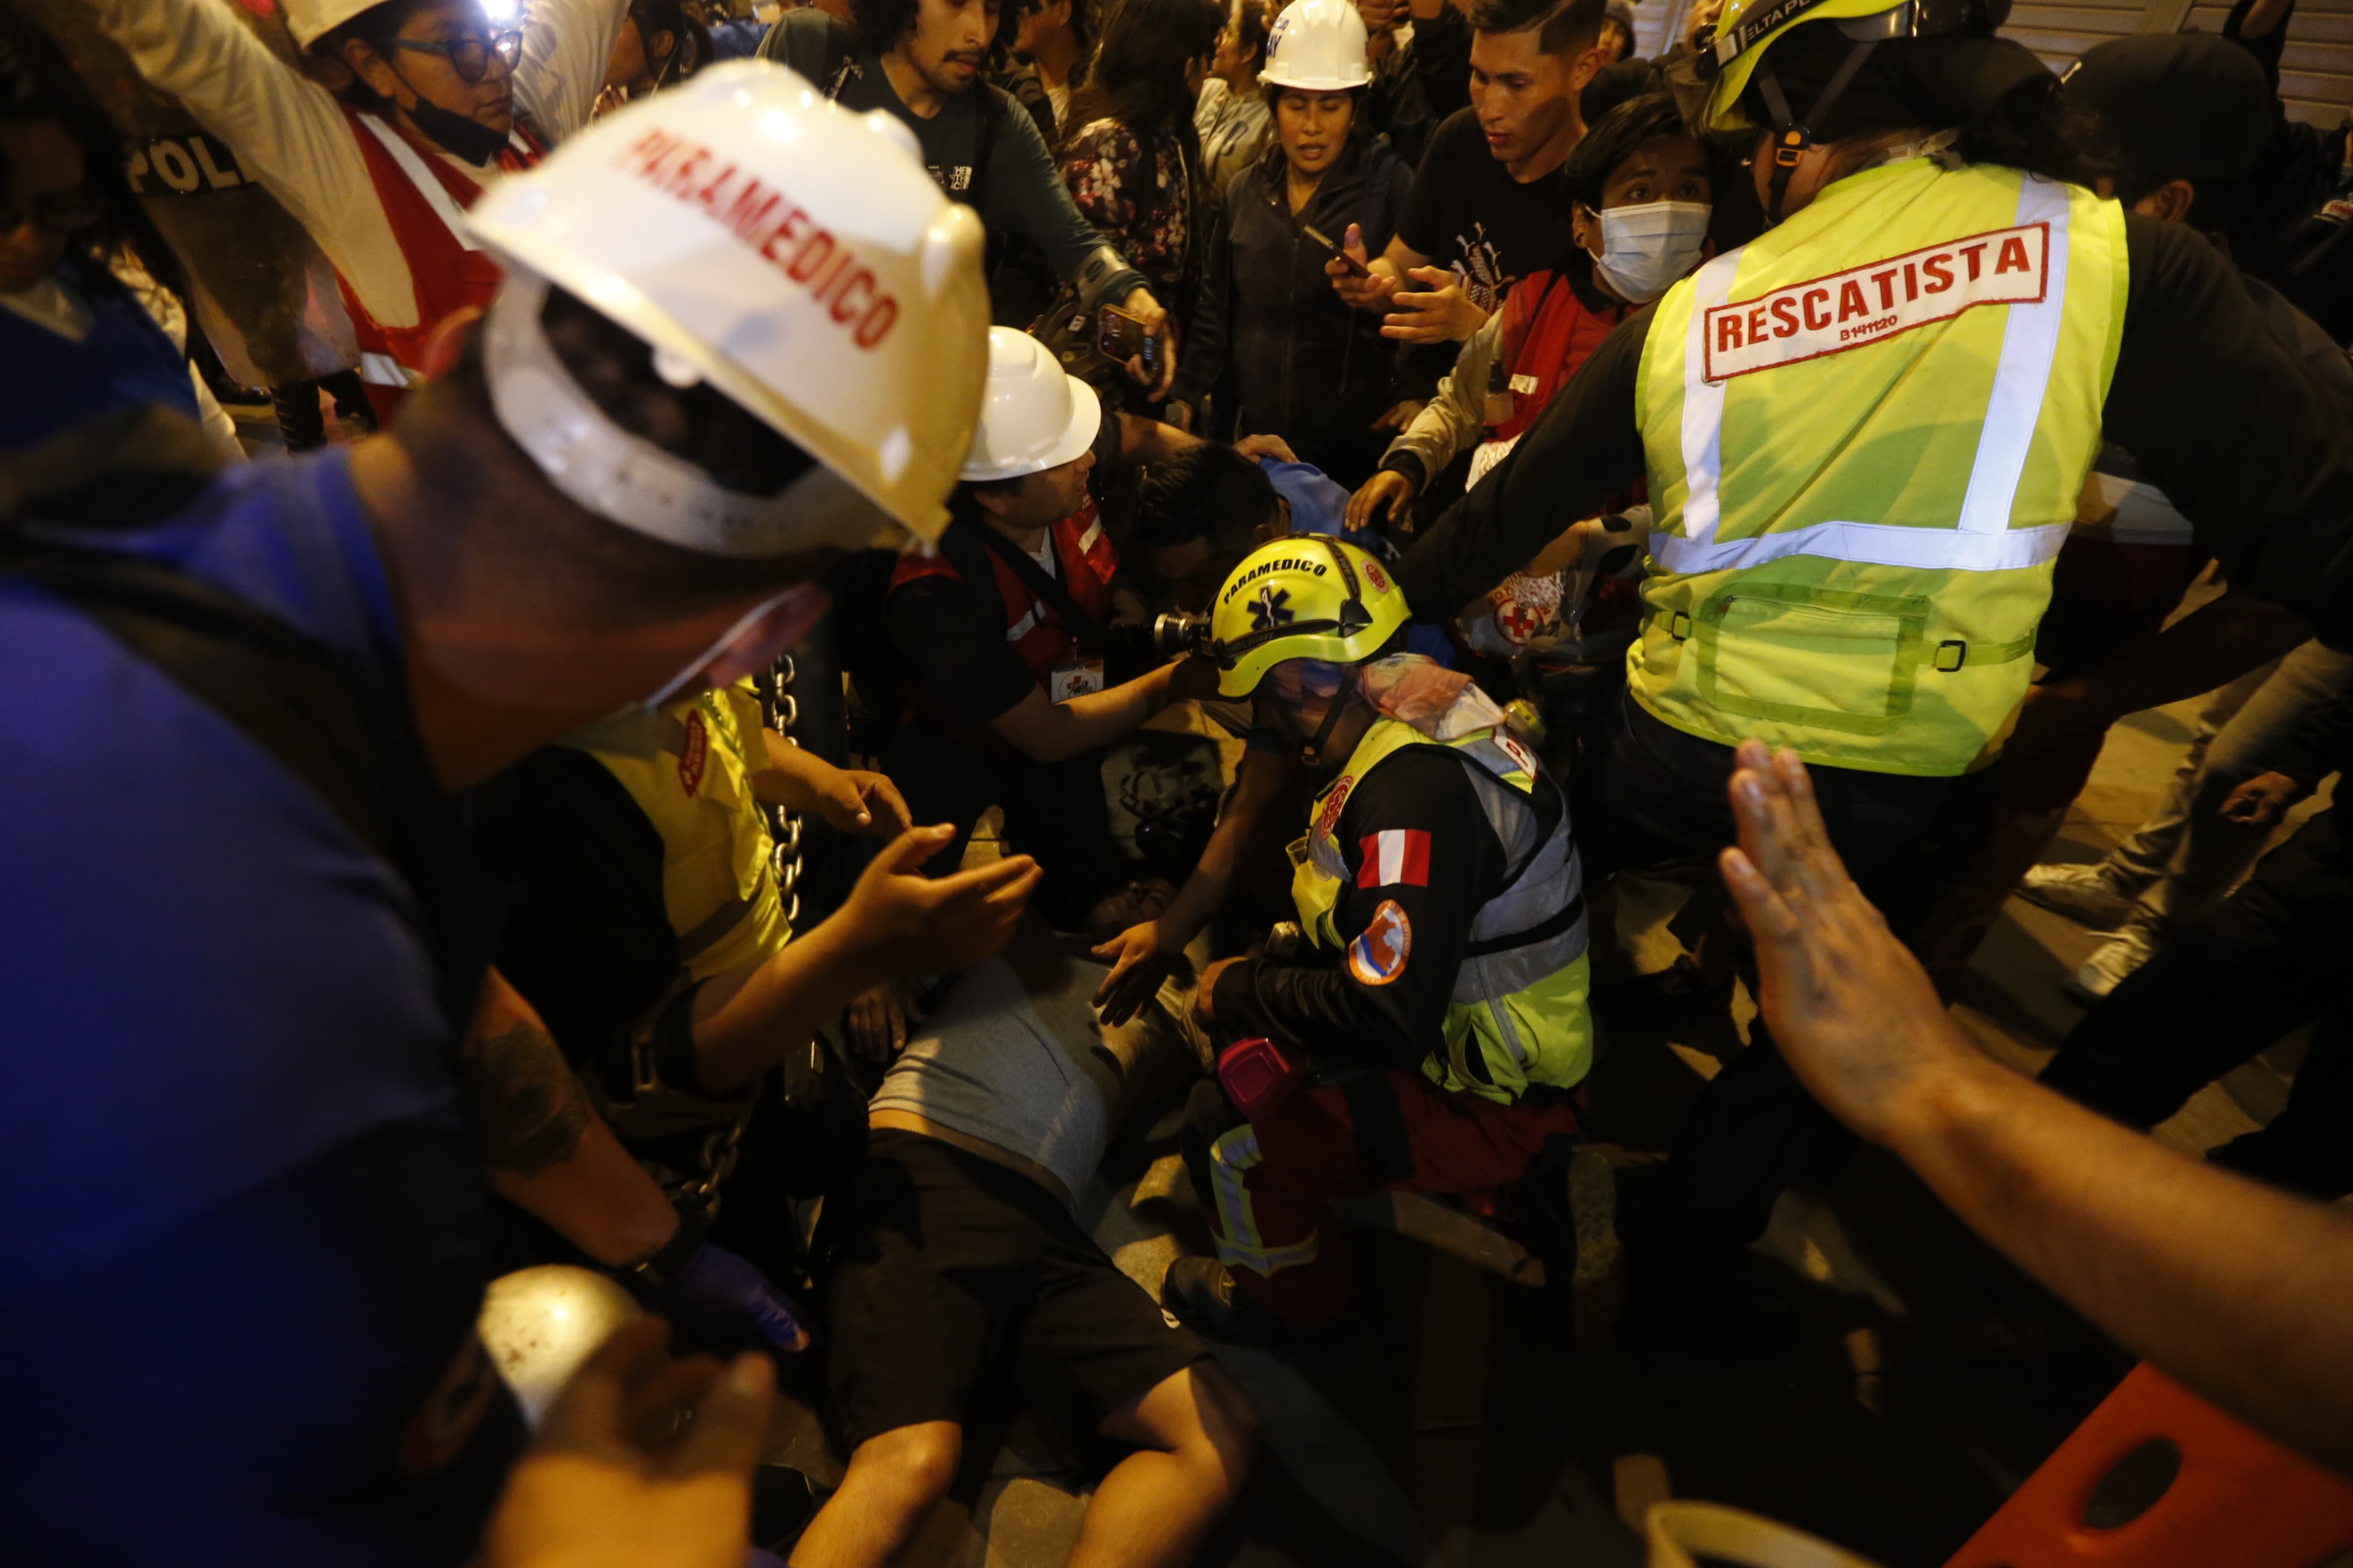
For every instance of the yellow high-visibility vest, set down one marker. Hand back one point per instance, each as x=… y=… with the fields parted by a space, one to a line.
x=1867 y=431
x=689 y=767
x=1518 y=1015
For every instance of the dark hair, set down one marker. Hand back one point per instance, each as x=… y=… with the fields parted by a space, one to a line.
x=690 y=46
x=1139 y=71
x=1614 y=84
x=1615 y=137
x=2004 y=102
x=639 y=580
x=1208 y=492
x=376 y=28
x=37 y=82
x=1272 y=93
x=1083 y=30
x=881 y=24
x=1252 y=16
x=1569 y=25
x=615 y=367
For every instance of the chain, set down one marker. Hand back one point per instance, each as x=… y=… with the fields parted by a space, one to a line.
x=723 y=1146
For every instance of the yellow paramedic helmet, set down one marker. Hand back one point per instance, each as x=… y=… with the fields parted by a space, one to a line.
x=1306 y=596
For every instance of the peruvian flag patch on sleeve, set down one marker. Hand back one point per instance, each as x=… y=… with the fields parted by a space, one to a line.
x=1397 y=859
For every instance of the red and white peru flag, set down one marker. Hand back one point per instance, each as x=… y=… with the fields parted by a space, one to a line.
x=1399 y=858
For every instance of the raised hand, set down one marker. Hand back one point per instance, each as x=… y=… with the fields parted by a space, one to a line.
x=1443 y=314
x=1364 y=287
x=1853 y=1010
x=915 y=925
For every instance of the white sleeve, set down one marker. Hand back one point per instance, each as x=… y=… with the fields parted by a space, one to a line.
x=220 y=430
x=285 y=128
x=566 y=47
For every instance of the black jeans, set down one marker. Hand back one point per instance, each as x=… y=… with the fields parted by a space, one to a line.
x=2229 y=985
x=1648 y=794
x=1055 y=812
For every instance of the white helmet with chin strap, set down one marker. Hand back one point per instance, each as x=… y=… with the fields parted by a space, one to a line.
x=793 y=255
x=1317 y=45
x=1035 y=414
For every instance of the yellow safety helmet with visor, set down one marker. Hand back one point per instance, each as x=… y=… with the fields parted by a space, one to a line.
x=1732 y=56
x=1305 y=597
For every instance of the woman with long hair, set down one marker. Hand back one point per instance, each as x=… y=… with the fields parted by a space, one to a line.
x=92 y=319
x=1133 y=159
x=661 y=44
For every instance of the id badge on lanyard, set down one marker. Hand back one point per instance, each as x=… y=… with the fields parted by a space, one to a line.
x=1080 y=677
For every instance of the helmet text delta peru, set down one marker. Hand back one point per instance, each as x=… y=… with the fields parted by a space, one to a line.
x=745 y=207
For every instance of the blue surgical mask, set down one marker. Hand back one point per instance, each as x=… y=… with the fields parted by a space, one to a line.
x=1645 y=248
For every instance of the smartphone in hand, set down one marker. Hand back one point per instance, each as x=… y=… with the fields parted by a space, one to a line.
x=1356 y=267
x=1121 y=337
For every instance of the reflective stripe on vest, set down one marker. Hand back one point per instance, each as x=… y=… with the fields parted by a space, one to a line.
x=689 y=768
x=1516 y=1016
x=1867 y=432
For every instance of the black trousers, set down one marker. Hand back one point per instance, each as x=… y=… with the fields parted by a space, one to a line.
x=1055 y=812
x=1649 y=794
x=2265 y=961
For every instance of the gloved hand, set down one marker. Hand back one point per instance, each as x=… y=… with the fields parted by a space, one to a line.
x=720 y=1302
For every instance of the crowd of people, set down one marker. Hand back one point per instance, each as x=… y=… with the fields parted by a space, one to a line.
x=643 y=544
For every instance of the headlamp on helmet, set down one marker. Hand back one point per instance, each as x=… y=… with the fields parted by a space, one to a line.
x=1307 y=596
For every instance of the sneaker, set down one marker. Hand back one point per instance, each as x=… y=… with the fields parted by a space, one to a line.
x=2087 y=892
x=1199 y=1293
x=2105 y=970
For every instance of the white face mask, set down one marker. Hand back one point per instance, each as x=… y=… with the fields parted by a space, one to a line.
x=1645 y=248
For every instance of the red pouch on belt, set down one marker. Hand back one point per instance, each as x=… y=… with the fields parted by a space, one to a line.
x=1258 y=1077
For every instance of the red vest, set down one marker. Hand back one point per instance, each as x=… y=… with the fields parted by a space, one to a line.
x=1087 y=560
x=1547 y=334
x=447 y=275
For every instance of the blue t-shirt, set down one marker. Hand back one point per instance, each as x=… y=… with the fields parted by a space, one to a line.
x=245 y=1223
x=50 y=383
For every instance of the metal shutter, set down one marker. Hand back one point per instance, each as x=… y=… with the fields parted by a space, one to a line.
x=2059 y=30
x=2317 y=66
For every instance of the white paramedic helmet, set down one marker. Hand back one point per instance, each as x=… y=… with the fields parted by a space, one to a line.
x=1034 y=416
x=793 y=255
x=310 y=20
x=1317 y=45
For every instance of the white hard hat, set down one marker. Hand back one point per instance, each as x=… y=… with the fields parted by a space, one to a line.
x=310 y=20
x=1317 y=45
x=795 y=256
x=1035 y=416
x=539 y=1324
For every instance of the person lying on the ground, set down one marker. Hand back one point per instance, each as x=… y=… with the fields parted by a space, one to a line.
x=2233 y=1288
x=953 y=1266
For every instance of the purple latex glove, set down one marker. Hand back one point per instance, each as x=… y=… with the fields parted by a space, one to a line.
x=721 y=1302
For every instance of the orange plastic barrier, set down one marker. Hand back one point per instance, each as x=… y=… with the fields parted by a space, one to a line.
x=2239 y=1500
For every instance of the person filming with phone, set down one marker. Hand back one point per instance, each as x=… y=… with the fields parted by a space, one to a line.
x=1303 y=364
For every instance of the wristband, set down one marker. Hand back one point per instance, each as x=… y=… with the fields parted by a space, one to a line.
x=653 y=1274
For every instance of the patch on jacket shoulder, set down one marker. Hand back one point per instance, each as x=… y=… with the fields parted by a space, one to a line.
x=1378 y=954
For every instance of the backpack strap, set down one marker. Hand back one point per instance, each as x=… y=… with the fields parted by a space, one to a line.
x=1050 y=591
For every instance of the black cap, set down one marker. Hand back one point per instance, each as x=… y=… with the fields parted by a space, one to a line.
x=2176 y=106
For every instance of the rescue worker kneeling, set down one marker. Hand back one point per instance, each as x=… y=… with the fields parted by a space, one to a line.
x=1429 y=1030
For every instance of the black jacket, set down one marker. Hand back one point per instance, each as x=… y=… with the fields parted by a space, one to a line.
x=1305 y=365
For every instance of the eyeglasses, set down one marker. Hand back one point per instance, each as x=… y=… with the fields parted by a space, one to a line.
x=470 y=57
x=61 y=212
